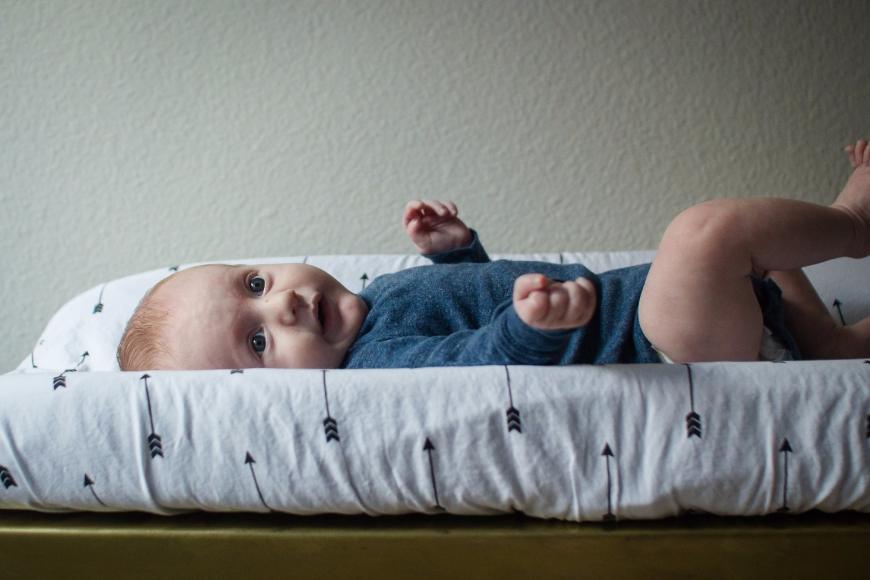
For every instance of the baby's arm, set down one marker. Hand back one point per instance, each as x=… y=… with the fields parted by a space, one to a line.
x=533 y=328
x=504 y=340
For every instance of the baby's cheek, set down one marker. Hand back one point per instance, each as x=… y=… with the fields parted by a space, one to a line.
x=310 y=352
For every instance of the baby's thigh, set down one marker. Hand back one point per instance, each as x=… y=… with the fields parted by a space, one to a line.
x=694 y=310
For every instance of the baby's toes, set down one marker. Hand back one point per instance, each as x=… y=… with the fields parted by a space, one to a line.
x=850 y=153
x=860 y=149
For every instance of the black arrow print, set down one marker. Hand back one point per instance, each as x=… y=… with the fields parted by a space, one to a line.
x=237 y=372
x=364 y=277
x=249 y=461
x=305 y=260
x=868 y=426
x=785 y=449
x=607 y=453
x=429 y=448
x=561 y=258
x=155 y=443
x=99 y=306
x=60 y=380
x=32 y=361
x=693 y=419
x=90 y=483
x=514 y=423
x=6 y=477
x=837 y=304
x=173 y=268
x=330 y=425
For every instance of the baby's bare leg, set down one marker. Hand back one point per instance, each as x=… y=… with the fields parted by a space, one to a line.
x=698 y=303
x=818 y=335
x=806 y=316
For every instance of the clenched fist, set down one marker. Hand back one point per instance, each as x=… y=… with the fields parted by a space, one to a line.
x=434 y=227
x=548 y=305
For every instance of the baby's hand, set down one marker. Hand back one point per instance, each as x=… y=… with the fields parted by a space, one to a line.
x=433 y=226
x=548 y=305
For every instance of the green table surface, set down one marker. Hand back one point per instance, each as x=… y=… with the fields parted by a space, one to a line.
x=221 y=545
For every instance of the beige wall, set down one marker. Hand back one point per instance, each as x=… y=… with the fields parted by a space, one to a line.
x=135 y=135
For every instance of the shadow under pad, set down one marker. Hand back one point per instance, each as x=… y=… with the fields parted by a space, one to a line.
x=205 y=545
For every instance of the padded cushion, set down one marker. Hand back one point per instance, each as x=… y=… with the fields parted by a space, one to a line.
x=84 y=333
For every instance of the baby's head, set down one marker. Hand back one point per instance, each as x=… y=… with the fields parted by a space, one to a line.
x=223 y=317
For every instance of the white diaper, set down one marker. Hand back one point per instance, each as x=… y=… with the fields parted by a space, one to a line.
x=771 y=350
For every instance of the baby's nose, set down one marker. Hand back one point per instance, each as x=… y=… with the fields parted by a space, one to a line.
x=284 y=306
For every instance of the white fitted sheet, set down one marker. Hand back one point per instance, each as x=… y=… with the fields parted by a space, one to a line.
x=575 y=443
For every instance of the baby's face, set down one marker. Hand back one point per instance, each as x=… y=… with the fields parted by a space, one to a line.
x=281 y=315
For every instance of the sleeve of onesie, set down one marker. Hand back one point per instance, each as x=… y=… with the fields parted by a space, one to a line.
x=473 y=252
x=505 y=340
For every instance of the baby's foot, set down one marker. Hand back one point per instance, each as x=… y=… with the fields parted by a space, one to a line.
x=855 y=197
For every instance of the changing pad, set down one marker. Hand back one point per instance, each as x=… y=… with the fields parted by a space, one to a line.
x=575 y=442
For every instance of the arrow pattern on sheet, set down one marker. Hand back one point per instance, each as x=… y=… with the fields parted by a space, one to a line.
x=6 y=477
x=785 y=449
x=429 y=448
x=837 y=304
x=89 y=483
x=99 y=306
x=608 y=453
x=330 y=425
x=32 y=361
x=693 y=419
x=237 y=371
x=249 y=461
x=60 y=380
x=514 y=422
x=155 y=443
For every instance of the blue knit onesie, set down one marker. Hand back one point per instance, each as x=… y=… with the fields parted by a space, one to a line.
x=459 y=311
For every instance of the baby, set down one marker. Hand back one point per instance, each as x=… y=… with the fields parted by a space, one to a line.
x=725 y=285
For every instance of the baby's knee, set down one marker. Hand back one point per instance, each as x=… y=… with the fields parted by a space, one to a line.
x=713 y=225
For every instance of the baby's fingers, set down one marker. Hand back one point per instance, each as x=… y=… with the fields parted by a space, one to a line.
x=418 y=208
x=584 y=299
x=412 y=211
x=528 y=283
x=440 y=208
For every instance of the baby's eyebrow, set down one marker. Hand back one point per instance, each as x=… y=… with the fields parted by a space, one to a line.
x=236 y=279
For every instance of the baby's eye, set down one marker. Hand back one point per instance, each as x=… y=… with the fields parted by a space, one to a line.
x=256 y=284
x=258 y=342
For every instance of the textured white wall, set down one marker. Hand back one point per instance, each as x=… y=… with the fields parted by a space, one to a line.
x=135 y=135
